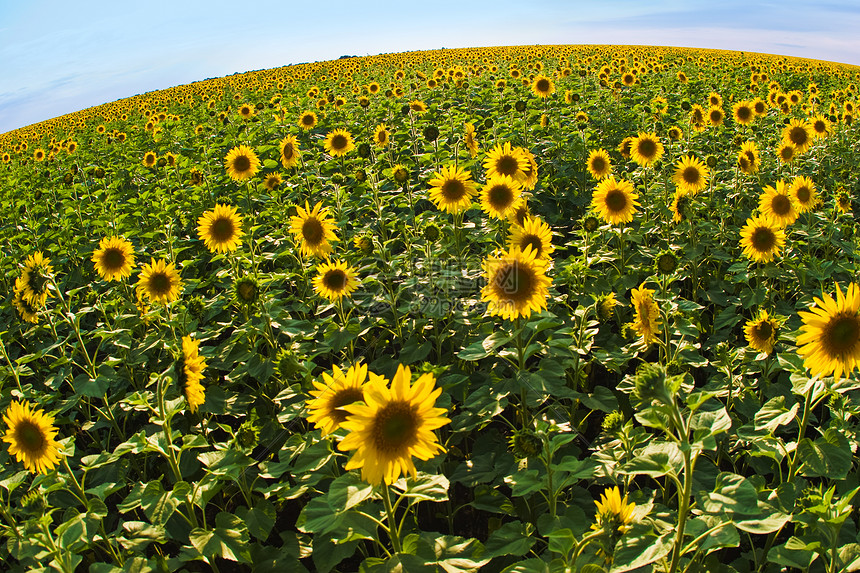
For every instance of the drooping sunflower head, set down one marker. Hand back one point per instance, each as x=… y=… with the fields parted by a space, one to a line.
x=114 y=258
x=290 y=153
x=799 y=134
x=517 y=284
x=35 y=278
x=470 y=140
x=761 y=332
x=762 y=239
x=625 y=147
x=220 y=229
x=246 y=291
x=748 y=158
x=691 y=175
x=452 y=189
x=647 y=314
x=314 y=230
x=335 y=280
x=532 y=233
x=159 y=281
x=28 y=312
x=505 y=160
x=615 y=201
x=30 y=434
x=599 y=164
x=829 y=339
x=646 y=148
x=189 y=369
x=500 y=196
x=339 y=142
x=778 y=204
x=241 y=163
x=804 y=194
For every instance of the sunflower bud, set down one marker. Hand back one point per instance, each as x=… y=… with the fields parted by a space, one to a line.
x=652 y=384
x=431 y=133
x=666 y=262
x=246 y=290
x=525 y=444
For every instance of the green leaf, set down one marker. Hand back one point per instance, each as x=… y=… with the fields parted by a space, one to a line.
x=512 y=538
x=732 y=493
x=532 y=565
x=483 y=348
x=762 y=525
x=260 y=519
x=656 y=460
x=139 y=534
x=524 y=482
x=639 y=547
x=347 y=491
x=829 y=456
x=229 y=539
x=425 y=487
x=774 y=414
x=158 y=504
x=792 y=554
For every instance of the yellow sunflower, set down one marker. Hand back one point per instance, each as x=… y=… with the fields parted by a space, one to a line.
x=761 y=332
x=469 y=139
x=392 y=425
x=743 y=112
x=338 y=143
x=418 y=107
x=799 y=134
x=504 y=160
x=381 y=136
x=691 y=175
x=517 y=284
x=778 y=204
x=599 y=164
x=647 y=318
x=646 y=148
x=30 y=434
x=543 y=87
x=500 y=195
x=35 y=278
x=615 y=201
x=150 y=159
x=531 y=170
x=335 y=280
x=314 y=230
x=762 y=239
x=614 y=513
x=308 y=120
x=241 y=163
x=786 y=152
x=803 y=192
x=192 y=373
x=325 y=409
x=820 y=126
x=716 y=115
x=452 y=189
x=114 y=258
x=220 y=229
x=290 y=152
x=159 y=281
x=829 y=339
x=27 y=311
x=680 y=202
x=748 y=158
x=272 y=181
x=534 y=233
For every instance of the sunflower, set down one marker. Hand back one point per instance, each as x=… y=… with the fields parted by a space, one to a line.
x=381 y=137
x=272 y=181
x=27 y=311
x=159 y=281
x=339 y=142
x=114 y=258
x=535 y=233
x=647 y=318
x=150 y=159
x=469 y=139
x=716 y=115
x=675 y=133
x=531 y=170
x=829 y=340
x=786 y=152
x=748 y=158
x=761 y=332
x=418 y=107
x=290 y=153
x=35 y=278
x=743 y=112
x=799 y=134
x=39 y=154
x=843 y=201
x=803 y=192
x=220 y=229
x=762 y=238
x=30 y=434
x=543 y=87
x=334 y=392
x=680 y=202
x=246 y=111
x=691 y=175
x=504 y=160
x=614 y=514
x=393 y=424
x=314 y=230
x=192 y=373
x=500 y=195
x=335 y=280
x=778 y=204
x=599 y=164
x=308 y=120
x=615 y=201
x=715 y=100
x=517 y=284
x=820 y=126
x=452 y=189
x=697 y=117
x=646 y=149
x=241 y=163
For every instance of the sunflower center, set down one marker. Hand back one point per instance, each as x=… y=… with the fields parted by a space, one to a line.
x=312 y=231
x=786 y=153
x=716 y=116
x=647 y=148
x=532 y=241
x=616 y=201
x=395 y=427
x=744 y=113
x=307 y=120
x=542 y=85
x=819 y=127
x=343 y=398
x=598 y=164
x=803 y=194
x=288 y=151
x=842 y=334
x=37 y=282
x=507 y=165
x=113 y=258
x=159 y=284
x=691 y=175
x=242 y=163
x=30 y=437
x=763 y=330
x=500 y=196
x=453 y=189
x=798 y=135
x=763 y=240
x=335 y=280
x=515 y=283
x=338 y=142
x=781 y=204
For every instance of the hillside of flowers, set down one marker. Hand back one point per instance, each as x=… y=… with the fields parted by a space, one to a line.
x=519 y=309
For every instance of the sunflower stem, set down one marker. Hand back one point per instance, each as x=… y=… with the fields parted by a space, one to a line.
x=393 y=532
x=11 y=366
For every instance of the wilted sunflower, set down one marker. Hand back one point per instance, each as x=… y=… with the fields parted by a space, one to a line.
x=290 y=152
x=314 y=230
x=150 y=159
x=761 y=332
x=532 y=233
x=469 y=139
x=308 y=120
x=646 y=148
x=30 y=434
x=615 y=201
x=335 y=280
x=504 y=160
x=762 y=239
x=35 y=278
x=159 y=281
x=748 y=158
x=191 y=372
x=743 y=112
x=452 y=189
x=392 y=425
x=803 y=192
x=325 y=409
x=381 y=136
x=114 y=258
x=241 y=163
x=799 y=134
x=220 y=229
x=517 y=284
x=697 y=118
x=778 y=204
x=338 y=143
x=829 y=340
x=543 y=87
x=599 y=164
x=500 y=195
x=691 y=175
x=647 y=317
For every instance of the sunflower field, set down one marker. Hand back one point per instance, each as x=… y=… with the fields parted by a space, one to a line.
x=520 y=309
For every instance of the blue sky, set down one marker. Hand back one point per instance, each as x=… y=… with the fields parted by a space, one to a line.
x=60 y=56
